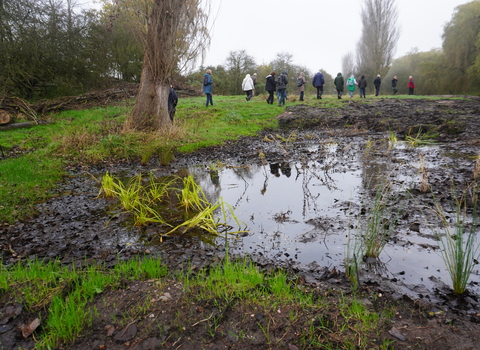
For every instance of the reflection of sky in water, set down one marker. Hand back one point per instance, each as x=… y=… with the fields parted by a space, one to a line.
x=300 y=211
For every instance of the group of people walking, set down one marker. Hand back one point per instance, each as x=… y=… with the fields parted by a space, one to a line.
x=362 y=85
x=280 y=84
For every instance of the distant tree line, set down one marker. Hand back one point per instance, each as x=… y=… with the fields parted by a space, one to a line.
x=51 y=47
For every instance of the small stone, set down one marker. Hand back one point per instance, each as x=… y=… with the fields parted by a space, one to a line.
x=396 y=333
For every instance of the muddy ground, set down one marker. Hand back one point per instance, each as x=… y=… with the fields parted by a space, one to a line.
x=72 y=227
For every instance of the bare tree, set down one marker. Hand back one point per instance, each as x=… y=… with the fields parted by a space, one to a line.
x=348 y=64
x=176 y=33
x=379 y=38
x=283 y=61
x=239 y=63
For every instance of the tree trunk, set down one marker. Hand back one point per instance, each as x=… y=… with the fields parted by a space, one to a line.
x=151 y=108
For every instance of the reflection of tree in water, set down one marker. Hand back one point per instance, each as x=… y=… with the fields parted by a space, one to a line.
x=308 y=169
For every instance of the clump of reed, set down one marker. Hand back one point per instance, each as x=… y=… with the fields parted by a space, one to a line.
x=376 y=223
x=143 y=202
x=460 y=247
x=379 y=221
x=353 y=258
x=419 y=139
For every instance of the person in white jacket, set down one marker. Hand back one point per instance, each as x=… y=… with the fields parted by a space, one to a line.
x=247 y=86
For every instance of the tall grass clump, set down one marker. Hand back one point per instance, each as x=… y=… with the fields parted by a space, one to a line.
x=353 y=258
x=379 y=221
x=144 y=202
x=460 y=248
x=419 y=139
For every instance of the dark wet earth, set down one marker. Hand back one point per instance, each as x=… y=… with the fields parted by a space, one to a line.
x=76 y=225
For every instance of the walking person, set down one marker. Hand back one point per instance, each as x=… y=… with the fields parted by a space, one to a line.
x=351 y=82
x=394 y=84
x=282 y=88
x=247 y=86
x=362 y=84
x=207 y=86
x=271 y=87
x=172 y=102
x=318 y=82
x=377 y=82
x=411 y=85
x=301 y=85
x=339 y=83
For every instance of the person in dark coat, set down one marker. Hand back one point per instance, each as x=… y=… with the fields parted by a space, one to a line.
x=271 y=87
x=301 y=88
x=207 y=86
x=362 y=84
x=411 y=85
x=318 y=82
x=339 y=83
x=394 y=84
x=377 y=82
x=172 y=102
x=282 y=87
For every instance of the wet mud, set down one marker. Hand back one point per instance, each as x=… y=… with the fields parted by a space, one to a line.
x=77 y=225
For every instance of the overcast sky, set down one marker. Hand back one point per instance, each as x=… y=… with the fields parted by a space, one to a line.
x=316 y=32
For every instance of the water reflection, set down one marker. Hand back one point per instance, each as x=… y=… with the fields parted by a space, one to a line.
x=303 y=210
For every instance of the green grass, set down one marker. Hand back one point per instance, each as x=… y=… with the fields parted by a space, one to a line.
x=24 y=182
x=63 y=298
x=64 y=292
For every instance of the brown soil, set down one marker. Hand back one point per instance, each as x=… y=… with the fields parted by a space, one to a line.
x=176 y=320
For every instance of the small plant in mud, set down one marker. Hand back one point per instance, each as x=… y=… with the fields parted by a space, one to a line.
x=376 y=224
x=353 y=259
x=423 y=175
x=420 y=139
x=460 y=247
x=191 y=196
x=379 y=222
x=108 y=186
x=130 y=195
x=392 y=140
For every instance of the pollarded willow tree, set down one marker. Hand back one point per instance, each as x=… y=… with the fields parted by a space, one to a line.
x=380 y=35
x=175 y=35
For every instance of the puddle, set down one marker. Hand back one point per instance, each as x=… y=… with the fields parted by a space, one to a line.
x=300 y=210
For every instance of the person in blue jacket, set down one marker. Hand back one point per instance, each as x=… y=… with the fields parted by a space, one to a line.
x=207 y=86
x=318 y=82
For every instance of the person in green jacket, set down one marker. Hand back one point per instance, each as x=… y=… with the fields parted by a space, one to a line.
x=339 y=83
x=351 y=82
